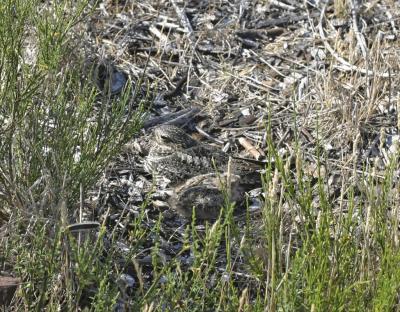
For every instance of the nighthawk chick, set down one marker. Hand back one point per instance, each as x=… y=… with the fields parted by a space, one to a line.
x=208 y=193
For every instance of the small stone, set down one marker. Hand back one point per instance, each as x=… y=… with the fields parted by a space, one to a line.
x=8 y=287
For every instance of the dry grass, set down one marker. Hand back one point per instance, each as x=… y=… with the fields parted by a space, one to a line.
x=322 y=94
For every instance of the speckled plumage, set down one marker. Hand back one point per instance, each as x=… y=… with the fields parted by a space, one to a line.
x=207 y=194
x=192 y=168
x=177 y=156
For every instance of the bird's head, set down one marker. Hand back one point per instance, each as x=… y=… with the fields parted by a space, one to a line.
x=173 y=137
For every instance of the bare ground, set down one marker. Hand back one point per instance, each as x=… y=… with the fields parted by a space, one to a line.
x=324 y=79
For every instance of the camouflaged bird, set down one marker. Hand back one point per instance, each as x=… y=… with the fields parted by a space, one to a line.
x=196 y=172
x=208 y=193
x=177 y=156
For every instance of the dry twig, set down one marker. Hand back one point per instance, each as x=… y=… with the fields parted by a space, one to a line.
x=346 y=65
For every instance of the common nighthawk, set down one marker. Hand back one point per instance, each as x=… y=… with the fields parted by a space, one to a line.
x=197 y=172
x=177 y=156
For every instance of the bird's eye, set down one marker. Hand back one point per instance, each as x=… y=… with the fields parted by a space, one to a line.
x=167 y=139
